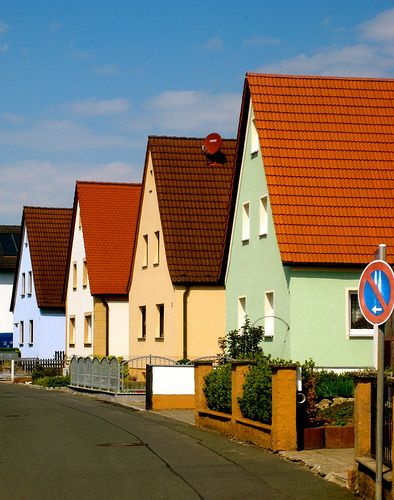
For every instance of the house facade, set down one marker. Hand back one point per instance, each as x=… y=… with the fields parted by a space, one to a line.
x=98 y=268
x=315 y=158
x=9 y=241
x=177 y=298
x=37 y=305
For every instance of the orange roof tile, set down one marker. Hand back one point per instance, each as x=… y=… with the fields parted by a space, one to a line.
x=194 y=195
x=109 y=213
x=328 y=151
x=48 y=232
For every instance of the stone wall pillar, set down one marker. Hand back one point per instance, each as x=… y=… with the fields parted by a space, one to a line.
x=201 y=370
x=284 y=417
x=239 y=370
x=362 y=416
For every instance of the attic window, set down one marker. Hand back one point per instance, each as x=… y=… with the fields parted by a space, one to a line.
x=245 y=222
x=29 y=283
x=84 y=275
x=145 y=251
x=254 y=139
x=264 y=215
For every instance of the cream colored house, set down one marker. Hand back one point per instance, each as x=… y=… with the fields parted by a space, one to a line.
x=98 y=268
x=177 y=298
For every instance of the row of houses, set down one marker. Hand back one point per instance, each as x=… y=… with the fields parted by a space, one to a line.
x=276 y=225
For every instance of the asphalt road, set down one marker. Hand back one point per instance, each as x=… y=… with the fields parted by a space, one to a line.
x=56 y=445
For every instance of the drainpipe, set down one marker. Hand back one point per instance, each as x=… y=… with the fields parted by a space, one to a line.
x=106 y=327
x=185 y=297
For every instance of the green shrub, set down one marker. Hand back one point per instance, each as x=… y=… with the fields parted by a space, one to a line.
x=217 y=389
x=245 y=343
x=41 y=372
x=56 y=381
x=331 y=385
x=256 y=402
x=336 y=414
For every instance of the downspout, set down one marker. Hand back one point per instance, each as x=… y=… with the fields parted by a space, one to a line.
x=185 y=297
x=106 y=327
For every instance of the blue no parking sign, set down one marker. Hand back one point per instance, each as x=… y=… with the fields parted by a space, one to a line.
x=376 y=292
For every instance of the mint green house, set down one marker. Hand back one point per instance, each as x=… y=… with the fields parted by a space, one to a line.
x=315 y=199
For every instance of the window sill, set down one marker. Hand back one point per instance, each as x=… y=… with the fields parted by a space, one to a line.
x=145 y=266
x=87 y=345
x=156 y=264
x=159 y=339
x=245 y=242
x=268 y=336
x=20 y=345
x=353 y=334
x=263 y=235
x=30 y=344
x=254 y=154
x=141 y=339
x=71 y=346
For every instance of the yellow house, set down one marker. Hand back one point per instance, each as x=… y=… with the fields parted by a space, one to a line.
x=177 y=296
x=98 y=268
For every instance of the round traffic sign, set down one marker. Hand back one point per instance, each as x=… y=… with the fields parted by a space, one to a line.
x=376 y=292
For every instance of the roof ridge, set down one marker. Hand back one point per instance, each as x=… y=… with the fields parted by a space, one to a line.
x=319 y=77
x=110 y=183
x=184 y=138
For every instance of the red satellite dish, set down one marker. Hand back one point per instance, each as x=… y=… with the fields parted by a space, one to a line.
x=212 y=143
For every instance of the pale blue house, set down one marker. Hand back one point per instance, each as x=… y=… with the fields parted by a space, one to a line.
x=39 y=328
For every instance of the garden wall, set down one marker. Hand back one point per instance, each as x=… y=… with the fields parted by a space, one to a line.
x=280 y=434
x=169 y=387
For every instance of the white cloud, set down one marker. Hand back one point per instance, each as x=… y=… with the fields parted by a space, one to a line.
x=42 y=183
x=108 y=70
x=3 y=28
x=215 y=44
x=199 y=112
x=61 y=135
x=371 y=54
x=380 y=28
x=353 y=60
x=95 y=107
x=260 y=41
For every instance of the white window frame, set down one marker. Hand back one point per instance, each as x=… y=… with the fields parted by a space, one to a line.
x=160 y=325
x=245 y=221
x=354 y=332
x=23 y=284
x=71 y=331
x=21 y=332
x=87 y=329
x=145 y=250
x=142 y=326
x=269 y=313
x=84 y=274
x=242 y=311
x=31 y=332
x=75 y=276
x=29 y=283
x=263 y=216
x=254 y=138
x=156 y=256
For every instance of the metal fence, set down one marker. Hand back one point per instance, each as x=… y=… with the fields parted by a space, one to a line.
x=24 y=367
x=112 y=375
x=387 y=423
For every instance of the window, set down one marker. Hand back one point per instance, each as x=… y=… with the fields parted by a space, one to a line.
x=358 y=326
x=87 y=338
x=254 y=139
x=145 y=250
x=241 y=312
x=23 y=285
x=21 y=332
x=160 y=321
x=75 y=276
x=142 y=333
x=263 y=215
x=84 y=275
x=71 y=332
x=245 y=222
x=156 y=258
x=31 y=332
x=29 y=283
x=269 y=314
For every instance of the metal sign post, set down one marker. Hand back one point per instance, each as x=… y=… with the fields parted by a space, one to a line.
x=376 y=300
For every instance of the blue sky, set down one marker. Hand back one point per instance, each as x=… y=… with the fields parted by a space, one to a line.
x=83 y=83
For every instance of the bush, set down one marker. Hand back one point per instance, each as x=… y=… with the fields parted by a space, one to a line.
x=336 y=414
x=217 y=389
x=245 y=343
x=41 y=372
x=256 y=402
x=54 y=381
x=331 y=385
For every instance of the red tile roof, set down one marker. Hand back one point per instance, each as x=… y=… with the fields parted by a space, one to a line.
x=328 y=151
x=109 y=213
x=48 y=232
x=194 y=195
x=9 y=241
